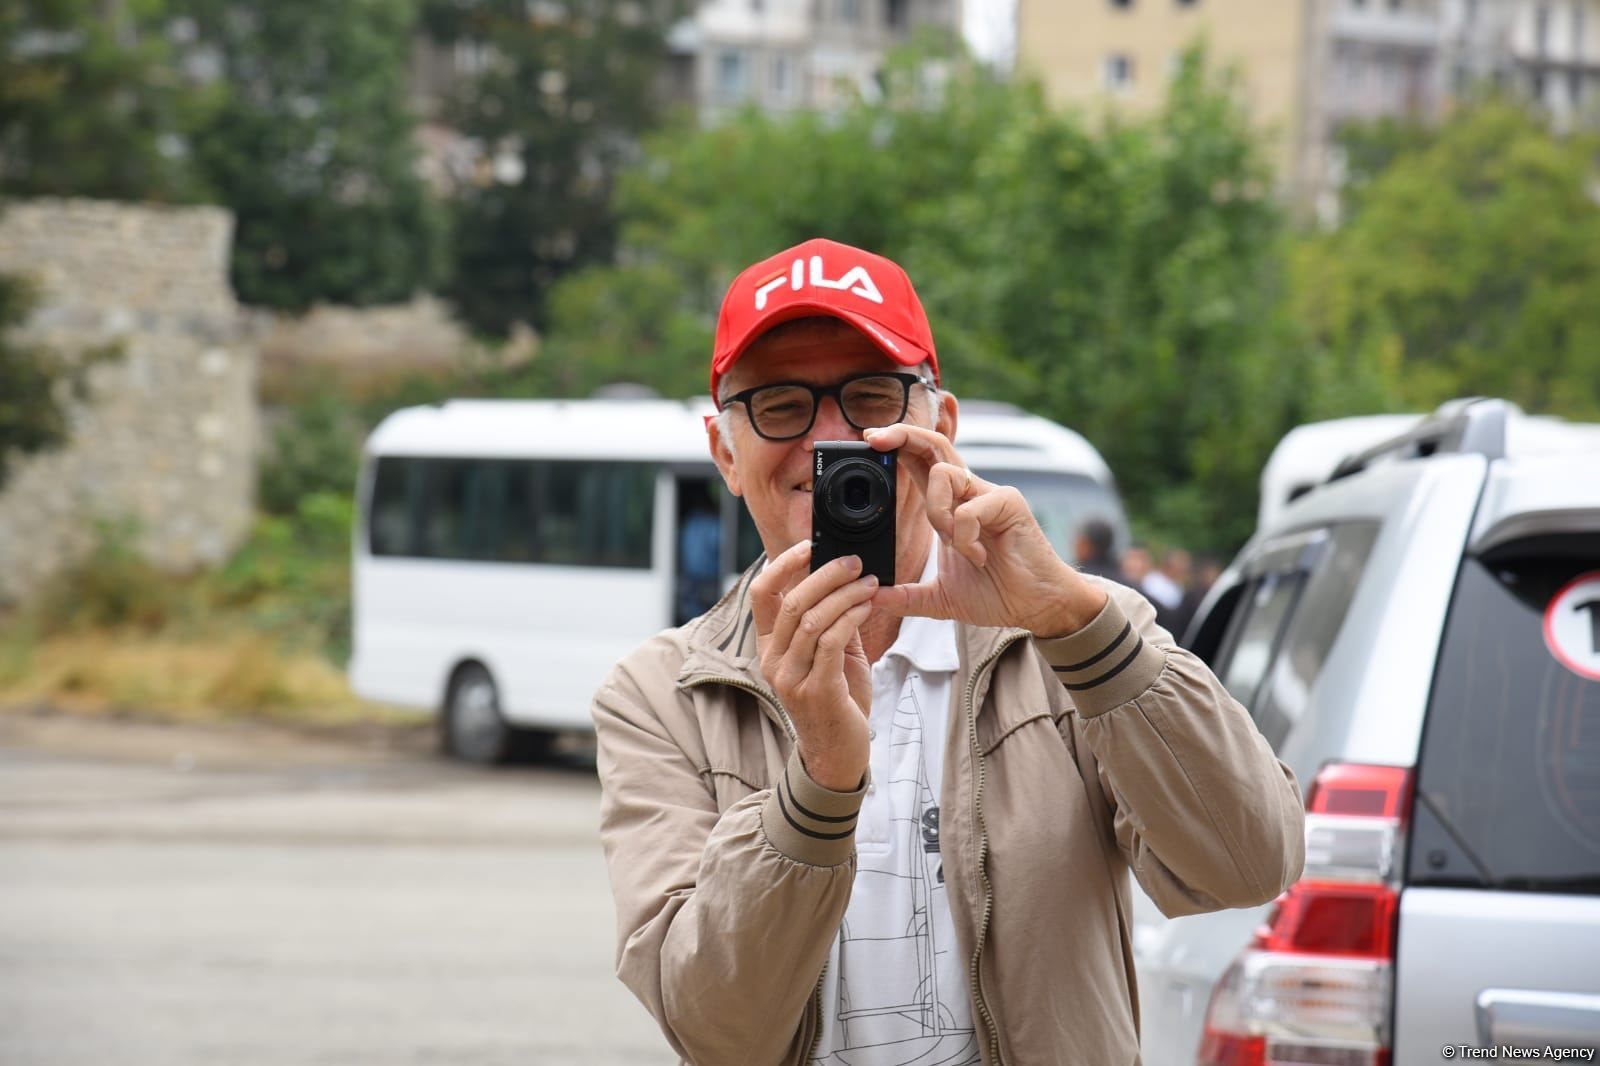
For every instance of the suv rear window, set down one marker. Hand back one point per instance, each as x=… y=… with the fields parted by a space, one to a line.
x=1508 y=787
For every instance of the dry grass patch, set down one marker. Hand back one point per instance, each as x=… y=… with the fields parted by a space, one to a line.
x=193 y=679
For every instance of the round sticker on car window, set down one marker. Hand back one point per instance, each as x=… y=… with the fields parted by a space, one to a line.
x=1572 y=625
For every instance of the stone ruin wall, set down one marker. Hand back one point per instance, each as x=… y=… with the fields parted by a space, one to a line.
x=169 y=437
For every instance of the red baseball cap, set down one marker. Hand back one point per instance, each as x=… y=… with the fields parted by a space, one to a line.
x=823 y=277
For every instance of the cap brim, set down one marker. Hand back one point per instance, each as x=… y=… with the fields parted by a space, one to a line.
x=895 y=346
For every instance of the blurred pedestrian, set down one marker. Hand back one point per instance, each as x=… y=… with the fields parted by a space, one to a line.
x=699 y=555
x=1094 y=547
x=1162 y=592
x=1205 y=573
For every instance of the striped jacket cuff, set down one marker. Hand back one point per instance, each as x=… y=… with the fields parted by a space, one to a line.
x=1106 y=663
x=809 y=823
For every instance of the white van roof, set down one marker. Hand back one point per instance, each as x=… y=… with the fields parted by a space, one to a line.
x=991 y=436
x=1308 y=454
x=655 y=430
x=997 y=436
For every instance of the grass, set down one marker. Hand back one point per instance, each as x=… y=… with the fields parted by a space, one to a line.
x=260 y=638
x=184 y=678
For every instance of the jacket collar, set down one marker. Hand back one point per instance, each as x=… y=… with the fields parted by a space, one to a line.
x=722 y=642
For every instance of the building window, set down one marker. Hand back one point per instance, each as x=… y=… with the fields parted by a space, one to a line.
x=894 y=13
x=850 y=11
x=1118 y=73
x=730 y=75
x=1188 y=3
x=782 y=79
x=1541 y=29
x=1122 y=5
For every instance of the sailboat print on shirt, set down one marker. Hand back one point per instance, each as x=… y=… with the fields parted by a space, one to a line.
x=898 y=1017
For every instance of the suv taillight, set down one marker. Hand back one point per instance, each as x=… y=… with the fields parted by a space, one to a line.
x=1313 y=987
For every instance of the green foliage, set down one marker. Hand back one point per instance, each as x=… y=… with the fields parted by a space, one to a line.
x=37 y=386
x=31 y=418
x=558 y=108
x=1370 y=148
x=1131 y=275
x=1472 y=267
x=316 y=449
x=291 y=580
x=90 y=102
x=311 y=145
x=1124 y=280
x=112 y=587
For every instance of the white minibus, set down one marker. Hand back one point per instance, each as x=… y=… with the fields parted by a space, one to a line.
x=508 y=552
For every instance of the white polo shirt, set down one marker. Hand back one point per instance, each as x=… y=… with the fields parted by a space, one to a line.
x=895 y=990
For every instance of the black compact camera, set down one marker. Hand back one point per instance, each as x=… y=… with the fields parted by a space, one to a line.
x=852 y=506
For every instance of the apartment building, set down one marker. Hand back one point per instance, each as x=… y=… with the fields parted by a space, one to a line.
x=1545 y=50
x=1306 y=65
x=782 y=55
x=1311 y=66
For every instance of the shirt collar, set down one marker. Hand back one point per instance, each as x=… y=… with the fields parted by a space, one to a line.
x=928 y=644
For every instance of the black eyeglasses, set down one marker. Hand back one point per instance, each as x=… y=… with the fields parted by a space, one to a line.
x=788 y=409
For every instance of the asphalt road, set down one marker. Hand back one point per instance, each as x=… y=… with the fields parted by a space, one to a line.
x=241 y=895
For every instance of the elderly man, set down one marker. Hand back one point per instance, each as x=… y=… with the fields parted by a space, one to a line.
x=857 y=824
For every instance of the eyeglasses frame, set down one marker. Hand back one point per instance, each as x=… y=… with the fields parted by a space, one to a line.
x=835 y=391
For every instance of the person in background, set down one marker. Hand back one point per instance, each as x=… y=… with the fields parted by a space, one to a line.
x=1206 y=571
x=1163 y=595
x=1168 y=585
x=1093 y=546
x=699 y=556
x=863 y=825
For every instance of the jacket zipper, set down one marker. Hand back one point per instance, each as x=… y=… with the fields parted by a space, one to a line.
x=983 y=849
x=770 y=700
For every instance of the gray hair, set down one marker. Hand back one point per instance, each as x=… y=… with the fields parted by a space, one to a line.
x=923 y=370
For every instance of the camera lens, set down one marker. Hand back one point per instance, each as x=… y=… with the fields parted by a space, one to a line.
x=857 y=493
x=855 y=496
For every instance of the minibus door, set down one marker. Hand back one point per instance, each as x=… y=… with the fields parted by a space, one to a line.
x=699 y=540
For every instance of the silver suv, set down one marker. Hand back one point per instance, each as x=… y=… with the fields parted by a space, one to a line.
x=1419 y=639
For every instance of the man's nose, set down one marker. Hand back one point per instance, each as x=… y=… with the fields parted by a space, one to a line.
x=830 y=424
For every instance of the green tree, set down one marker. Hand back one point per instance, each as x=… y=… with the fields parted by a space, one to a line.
x=1123 y=279
x=30 y=416
x=312 y=147
x=37 y=387
x=1369 y=148
x=1131 y=272
x=568 y=88
x=1472 y=267
x=90 y=103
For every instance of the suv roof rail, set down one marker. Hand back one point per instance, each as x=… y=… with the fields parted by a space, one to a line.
x=1469 y=425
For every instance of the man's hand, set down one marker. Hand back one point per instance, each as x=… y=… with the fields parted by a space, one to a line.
x=808 y=631
x=996 y=566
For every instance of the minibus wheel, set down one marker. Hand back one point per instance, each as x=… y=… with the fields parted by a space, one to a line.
x=474 y=729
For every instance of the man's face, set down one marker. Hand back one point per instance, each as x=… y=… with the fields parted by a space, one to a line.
x=774 y=477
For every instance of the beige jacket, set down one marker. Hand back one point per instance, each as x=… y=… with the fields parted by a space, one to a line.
x=1068 y=763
